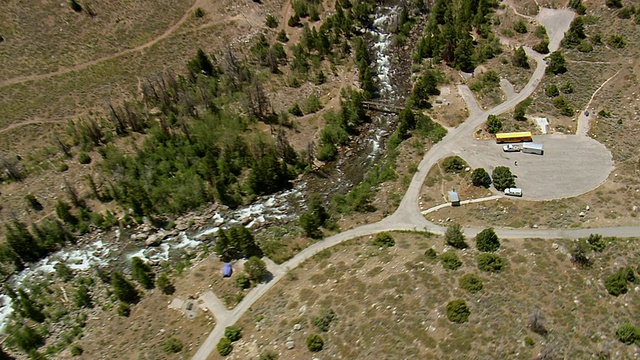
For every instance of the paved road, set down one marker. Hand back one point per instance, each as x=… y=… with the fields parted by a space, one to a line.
x=408 y=215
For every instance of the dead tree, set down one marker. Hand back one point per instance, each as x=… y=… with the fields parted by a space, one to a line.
x=536 y=323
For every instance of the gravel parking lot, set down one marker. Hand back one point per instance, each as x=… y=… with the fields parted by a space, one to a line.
x=571 y=165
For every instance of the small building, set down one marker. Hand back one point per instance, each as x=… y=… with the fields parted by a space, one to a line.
x=454 y=198
x=227 y=270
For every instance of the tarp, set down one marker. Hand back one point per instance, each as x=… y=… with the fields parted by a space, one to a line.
x=227 y=270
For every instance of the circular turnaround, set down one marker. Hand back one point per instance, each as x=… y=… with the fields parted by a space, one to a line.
x=571 y=165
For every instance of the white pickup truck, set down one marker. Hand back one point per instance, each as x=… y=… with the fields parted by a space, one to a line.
x=511 y=147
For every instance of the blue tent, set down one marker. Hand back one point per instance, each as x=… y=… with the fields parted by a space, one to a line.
x=227 y=270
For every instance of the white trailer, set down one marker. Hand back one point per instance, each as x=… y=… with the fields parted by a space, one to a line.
x=532 y=148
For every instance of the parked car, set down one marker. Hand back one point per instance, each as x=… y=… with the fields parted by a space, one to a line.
x=513 y=192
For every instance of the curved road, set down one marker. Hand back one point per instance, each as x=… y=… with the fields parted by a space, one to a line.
x=408 y=215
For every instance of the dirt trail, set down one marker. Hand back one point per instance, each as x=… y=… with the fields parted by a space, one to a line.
x=583 y=118
x=169 y=31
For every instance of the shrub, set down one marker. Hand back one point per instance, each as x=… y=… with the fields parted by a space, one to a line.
x=616 y=283
x=224 y=346
x=268 y=355
x=528 y=341
x=616 y=41
x=324 y=319
x=585 y=46
x=490 y=262
x=579 y=253
x=552 y=90
x=165 y=285
x=312 y=104
x=542 y=47
x=628 y=274
x=233 y=333
x=271 y=21
x=627 y=333
x=487 y=240
x=480 y=177
x=75 y=6
x=557 y=64
x=33 y=202
x=613 y=3
x=458 y=311
x=384 y=240
x=453 y=164
x=567 y=88
x=536 y=323
x=494 y=124
x=199 y=13
x=563 y=105
x=596 y=242
x=520 y=27
x=431 y=254
x=471 y=282
x=455 y=237
x=295 y=110
x=76 y=350
x=172 y=345
x=540 y=32
x=242 y=281
x=255 y=268
x=315 y=343
x=450 y=261
x=63 y=167
x=282 y=36
x=294 y=21
x=124 y=309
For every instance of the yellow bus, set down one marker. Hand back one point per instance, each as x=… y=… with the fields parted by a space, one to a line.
x=513 y=137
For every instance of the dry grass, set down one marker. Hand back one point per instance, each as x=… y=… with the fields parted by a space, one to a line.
x=48 y=36
x=391 y=303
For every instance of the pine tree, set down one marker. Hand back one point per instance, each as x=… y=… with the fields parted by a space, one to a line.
x=520 y=58
x=224 y=248
x=201 y=64
x=464 y=55
x=22 y=242
x=123 y=289
x=142 y=273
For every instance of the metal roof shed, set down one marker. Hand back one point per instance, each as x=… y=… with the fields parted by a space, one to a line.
x=454 y=198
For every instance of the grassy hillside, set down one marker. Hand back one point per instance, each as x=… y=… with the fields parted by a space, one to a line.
x=391 y=303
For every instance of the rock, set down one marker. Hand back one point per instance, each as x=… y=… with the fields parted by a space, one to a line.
x=153 y=240
x=635 y=208
x=587 y=208
x=182 y=226
x=535 y=226
x=582 y=214
x=155 y=111
x=297 y=327
x=290 y=345
x=303 y=309
x=139 y=236
x=555 y=246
